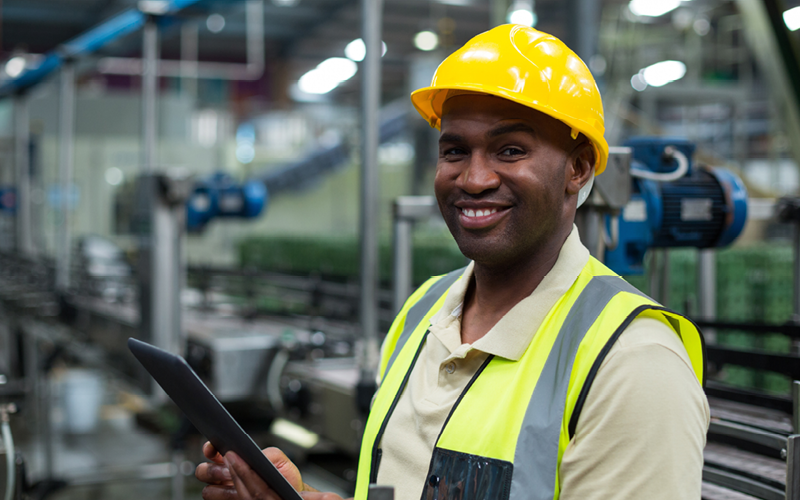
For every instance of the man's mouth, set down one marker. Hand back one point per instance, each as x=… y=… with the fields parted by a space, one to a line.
x=469 y=212
x=481 y=218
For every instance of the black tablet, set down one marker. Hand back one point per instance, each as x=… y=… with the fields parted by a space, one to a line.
x=192 y=396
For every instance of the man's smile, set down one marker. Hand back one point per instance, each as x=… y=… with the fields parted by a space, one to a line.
x=480 y=217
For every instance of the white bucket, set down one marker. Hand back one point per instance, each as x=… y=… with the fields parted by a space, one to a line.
x=82 y=391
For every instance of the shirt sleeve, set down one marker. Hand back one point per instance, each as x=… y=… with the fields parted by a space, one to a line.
x=643 y=427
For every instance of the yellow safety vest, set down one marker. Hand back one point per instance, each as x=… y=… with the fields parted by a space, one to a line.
x=506 y=434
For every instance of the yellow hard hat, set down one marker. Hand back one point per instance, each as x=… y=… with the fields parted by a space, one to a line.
x=525 y=66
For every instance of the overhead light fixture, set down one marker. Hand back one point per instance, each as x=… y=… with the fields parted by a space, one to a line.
x=154 y=7
x=522 y=12
x=114 y=176
x=356 y=50
x=285 y=3
x=658 y=74
x=15 y=66
x=215 y=23
x=426 y=40
x=652 y=8
x=327 y=75
x=792 y=18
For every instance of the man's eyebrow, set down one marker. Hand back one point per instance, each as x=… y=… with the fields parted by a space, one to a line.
x=510 y=128
x=450 y=137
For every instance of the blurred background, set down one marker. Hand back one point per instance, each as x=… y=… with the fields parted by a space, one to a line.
x=246 y=183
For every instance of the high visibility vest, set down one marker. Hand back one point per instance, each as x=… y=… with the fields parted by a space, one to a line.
x=506 y=434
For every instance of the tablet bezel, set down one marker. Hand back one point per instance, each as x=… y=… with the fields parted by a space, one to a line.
x=204 y=410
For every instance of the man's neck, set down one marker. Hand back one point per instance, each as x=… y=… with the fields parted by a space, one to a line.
x=494 y=291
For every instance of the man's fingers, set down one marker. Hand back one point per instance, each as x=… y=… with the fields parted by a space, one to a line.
x=217 y=492
x=286 y=467
x=247 y=482
x=315 y=495
x=211 y=453
x=213 y=474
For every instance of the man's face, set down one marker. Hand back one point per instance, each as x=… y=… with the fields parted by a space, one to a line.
x=504 y=179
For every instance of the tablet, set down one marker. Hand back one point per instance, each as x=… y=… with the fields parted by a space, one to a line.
x=192 y=396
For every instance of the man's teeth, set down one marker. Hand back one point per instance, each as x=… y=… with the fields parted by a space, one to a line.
x=478 y=213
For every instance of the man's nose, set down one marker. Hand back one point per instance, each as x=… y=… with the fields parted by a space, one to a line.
x=479 y=176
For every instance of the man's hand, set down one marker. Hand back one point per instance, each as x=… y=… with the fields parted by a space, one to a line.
x=230 y=478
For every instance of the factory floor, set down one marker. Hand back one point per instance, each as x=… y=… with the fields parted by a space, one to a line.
x=116 y=459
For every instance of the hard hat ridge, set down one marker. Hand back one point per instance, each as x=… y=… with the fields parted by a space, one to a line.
x=526 y=66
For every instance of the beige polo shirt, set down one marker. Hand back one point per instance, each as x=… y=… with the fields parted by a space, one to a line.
x=642 y=429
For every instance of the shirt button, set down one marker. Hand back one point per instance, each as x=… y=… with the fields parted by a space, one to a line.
x=450 y=367
x=433 y=480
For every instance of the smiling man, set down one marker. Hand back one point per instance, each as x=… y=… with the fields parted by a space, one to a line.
x=535 y=372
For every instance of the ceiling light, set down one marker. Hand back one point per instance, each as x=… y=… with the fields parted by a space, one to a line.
x=114 y=176
x=426 y=40
x=652 y=8
x=285 y=3
x=327 y=75
x=522 y=12
x=701 y=26
x=338 y=68
x=215 y=23
x=356 y=50
x=662 y=73
x=15 y=66
x=792 y=18
x=154 y=7
x=638 y=83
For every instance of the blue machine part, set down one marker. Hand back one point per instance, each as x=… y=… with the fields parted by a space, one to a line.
x=221 y=196
x=705 y=208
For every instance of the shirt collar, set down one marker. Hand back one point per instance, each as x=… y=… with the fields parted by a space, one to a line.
x=511 y=335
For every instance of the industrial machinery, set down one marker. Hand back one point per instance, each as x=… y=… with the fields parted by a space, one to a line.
x=673 y=203
x=221 y=196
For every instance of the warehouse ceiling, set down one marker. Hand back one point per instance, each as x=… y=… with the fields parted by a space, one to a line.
x=298 y=33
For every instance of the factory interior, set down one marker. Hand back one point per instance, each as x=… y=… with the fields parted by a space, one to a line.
x=246 y=184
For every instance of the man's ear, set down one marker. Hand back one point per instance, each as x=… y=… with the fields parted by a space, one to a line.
x=579 y=166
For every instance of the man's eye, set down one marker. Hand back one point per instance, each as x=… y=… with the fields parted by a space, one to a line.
x=453 y=152
x=512 y=152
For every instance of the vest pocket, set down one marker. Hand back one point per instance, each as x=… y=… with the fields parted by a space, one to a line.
x=461 y=476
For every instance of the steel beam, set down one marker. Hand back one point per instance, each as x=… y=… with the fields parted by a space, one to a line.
x=149 y=94
x=371 y=23
x=777 y=55
x=22 y=142
x=66 y=132
x=407 y=210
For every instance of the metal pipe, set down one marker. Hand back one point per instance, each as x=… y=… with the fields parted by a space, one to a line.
x=796 y=406
x=402 y=261
x=190 y=67
x=707 y=289
x=22 y=140
x=796 y=274
x=371 y=22
x=189 y=54
x=66 y=125
x=149 y=93
x=254 y=11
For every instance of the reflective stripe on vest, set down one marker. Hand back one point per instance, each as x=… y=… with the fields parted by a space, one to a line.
x=537 y=444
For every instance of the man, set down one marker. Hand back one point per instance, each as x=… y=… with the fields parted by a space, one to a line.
x=486 y=373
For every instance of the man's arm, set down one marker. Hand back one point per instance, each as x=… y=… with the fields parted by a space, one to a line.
x=642 y=430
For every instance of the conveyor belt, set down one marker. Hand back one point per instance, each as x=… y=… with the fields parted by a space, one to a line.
x=714 y=492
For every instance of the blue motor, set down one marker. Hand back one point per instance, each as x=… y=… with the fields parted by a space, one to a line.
x=220 y=196
x=674 y=204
